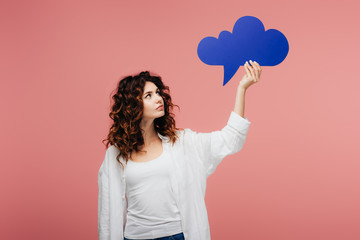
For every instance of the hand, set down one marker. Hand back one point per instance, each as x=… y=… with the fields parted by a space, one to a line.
x=251 y=76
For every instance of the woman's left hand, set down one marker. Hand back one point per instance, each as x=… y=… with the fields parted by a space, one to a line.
x=251 y=76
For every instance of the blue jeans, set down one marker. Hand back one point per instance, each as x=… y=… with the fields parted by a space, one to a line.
x=179 y=236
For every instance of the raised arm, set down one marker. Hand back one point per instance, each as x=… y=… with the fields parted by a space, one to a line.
x=240 y=101
x=210 y=148
x=251 y=76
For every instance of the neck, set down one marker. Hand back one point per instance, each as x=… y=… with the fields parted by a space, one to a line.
x=148 y=132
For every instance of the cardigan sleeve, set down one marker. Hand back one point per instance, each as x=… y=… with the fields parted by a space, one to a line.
x=104 y=201
x=210 y=148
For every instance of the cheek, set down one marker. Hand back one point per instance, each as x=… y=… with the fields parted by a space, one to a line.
x=146 y=106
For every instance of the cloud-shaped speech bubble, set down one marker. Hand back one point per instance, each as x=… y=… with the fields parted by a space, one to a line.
x=248 y=41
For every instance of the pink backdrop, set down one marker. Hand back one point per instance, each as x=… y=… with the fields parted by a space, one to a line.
x=297 y=176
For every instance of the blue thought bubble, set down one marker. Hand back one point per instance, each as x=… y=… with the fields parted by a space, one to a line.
x=248 y=41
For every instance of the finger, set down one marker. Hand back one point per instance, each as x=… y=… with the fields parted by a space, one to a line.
x=247 y=69
x=256 y=70
x=252 y=73
x=258 y=67
x=251 y=69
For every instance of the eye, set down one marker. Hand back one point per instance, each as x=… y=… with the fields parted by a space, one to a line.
x=150 y=94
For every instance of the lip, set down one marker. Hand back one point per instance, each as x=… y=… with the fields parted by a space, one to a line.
x=160 y=107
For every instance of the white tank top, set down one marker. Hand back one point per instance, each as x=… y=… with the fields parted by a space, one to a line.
x=152 y=210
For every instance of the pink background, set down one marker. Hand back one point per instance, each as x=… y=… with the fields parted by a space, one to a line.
x=297 y=176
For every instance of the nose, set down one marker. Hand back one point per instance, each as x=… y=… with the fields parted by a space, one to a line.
x=159 y=99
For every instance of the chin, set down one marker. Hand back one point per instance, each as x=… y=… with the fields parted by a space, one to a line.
x=161 y=114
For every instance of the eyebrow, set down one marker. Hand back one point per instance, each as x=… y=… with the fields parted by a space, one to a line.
x=150 y=91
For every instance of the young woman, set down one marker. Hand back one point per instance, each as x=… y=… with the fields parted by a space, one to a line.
x=152 y=181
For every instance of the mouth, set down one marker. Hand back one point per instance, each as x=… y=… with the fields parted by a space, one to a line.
x=160 y=107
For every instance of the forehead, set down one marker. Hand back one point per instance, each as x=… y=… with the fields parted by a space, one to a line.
x=149 y=86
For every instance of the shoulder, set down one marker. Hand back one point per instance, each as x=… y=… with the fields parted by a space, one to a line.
x=111 y=153
x=110 y=161
x=112 y=150
x=183 y=133
x=186 y=136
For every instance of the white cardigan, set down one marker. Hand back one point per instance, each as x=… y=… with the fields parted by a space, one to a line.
x=194 y=157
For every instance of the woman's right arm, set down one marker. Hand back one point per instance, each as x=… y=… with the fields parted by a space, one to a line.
x=103 y=202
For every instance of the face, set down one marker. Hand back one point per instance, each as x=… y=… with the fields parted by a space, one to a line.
x=152 y=100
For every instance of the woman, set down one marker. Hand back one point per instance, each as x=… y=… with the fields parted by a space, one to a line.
x=152 y=181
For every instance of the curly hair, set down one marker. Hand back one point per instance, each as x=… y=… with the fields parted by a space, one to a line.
x=127 y=110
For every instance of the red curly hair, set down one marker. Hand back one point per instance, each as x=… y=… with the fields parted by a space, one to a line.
x=127 y=110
